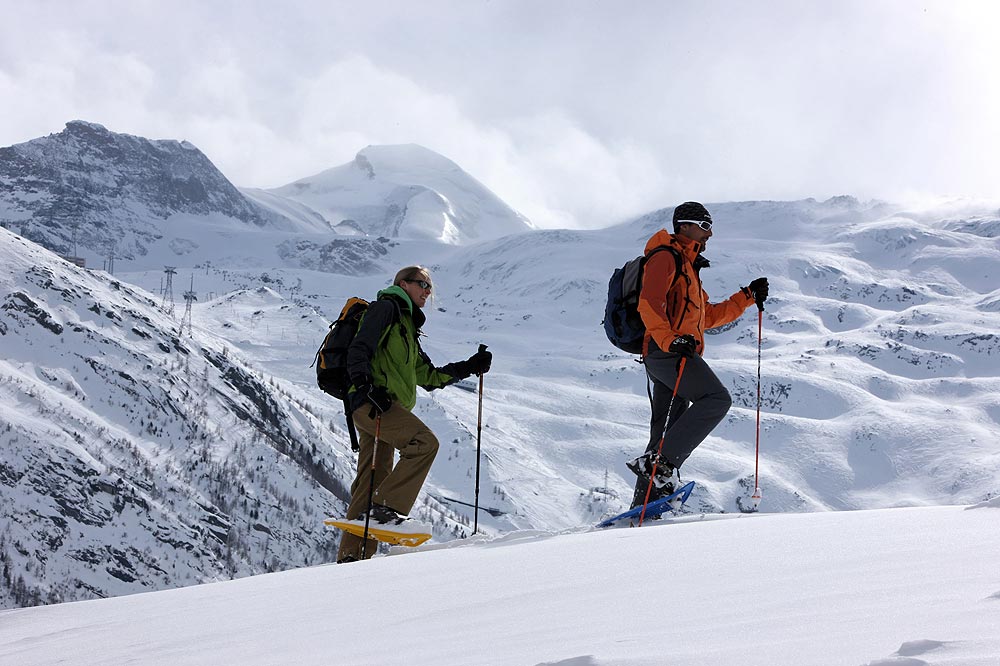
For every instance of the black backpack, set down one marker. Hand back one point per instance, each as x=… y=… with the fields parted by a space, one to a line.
x=622 y=322
x=331 y=357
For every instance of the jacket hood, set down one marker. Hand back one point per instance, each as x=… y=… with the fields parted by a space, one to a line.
x=397 y=292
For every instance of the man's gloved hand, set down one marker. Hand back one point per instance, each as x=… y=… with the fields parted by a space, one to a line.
x=757 y=290
x=380 y=399
x=684 y=345
x=479 y=362
x=376 y=395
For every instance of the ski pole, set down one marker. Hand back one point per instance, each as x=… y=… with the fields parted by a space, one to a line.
x=755 y=498
x=659 y=450
x=371 y=486
x=479 y=443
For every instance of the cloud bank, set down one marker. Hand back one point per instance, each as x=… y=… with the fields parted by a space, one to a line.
x=578 y=116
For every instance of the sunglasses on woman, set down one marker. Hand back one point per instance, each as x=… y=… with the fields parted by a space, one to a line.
x=423 y=284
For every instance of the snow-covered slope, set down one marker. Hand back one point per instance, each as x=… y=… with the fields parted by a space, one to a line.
x=879 y=369
x=895 y=587
x=406 y=191
x=133 y=457
x=137 y=456
x=879 y=374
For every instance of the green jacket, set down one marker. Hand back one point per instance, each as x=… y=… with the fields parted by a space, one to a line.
x=386 y=349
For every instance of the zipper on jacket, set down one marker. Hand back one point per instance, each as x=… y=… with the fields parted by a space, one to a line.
x=687 y=299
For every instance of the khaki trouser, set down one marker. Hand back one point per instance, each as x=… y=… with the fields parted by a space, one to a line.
x=395 y=487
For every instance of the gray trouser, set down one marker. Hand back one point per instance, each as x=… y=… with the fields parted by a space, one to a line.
x=702 y=402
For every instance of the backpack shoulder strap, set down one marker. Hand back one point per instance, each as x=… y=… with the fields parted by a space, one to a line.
x=677 y=260
x=395 y=318
x=397 y=311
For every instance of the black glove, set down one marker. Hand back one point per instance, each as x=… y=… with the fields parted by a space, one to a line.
x=376 y=395
x=479 y=362
x=757 y=290
x=684 y=345
x=380 y=398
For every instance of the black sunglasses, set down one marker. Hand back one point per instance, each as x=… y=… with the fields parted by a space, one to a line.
x=704 y=225
x=423 y=284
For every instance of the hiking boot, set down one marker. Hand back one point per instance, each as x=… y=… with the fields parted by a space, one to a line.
x=642 y=466
x=667 y=479
x=384 y=515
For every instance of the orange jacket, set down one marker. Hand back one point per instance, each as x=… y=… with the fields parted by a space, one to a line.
x=682 y=309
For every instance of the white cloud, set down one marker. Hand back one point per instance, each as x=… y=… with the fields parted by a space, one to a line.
x=577 y=116
x=538 y=163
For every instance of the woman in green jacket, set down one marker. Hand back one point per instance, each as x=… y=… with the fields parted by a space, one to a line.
x=386 y=364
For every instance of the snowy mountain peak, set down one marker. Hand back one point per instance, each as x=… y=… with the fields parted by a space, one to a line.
x=363 y=165
x=90 y=191
x=406 y=191
x=406 y=158
x=83 y=138
x=83 y=126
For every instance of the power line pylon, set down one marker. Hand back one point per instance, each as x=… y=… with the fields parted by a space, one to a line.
x=168 y=290
x=189 y=298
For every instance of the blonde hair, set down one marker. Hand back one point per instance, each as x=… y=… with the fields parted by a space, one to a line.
x=412 y=273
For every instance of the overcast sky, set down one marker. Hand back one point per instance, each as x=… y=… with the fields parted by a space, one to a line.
x=578 y=114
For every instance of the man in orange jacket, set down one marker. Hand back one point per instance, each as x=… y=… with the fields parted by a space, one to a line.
x=675 y=310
